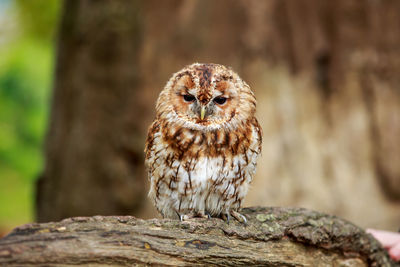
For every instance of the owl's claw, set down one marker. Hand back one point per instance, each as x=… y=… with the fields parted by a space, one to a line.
x=239 y=217
x=184 y=217
x=181 y=216
x=204 y=214
x=226 y=217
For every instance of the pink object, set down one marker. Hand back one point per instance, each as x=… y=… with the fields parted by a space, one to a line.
x=389 y=240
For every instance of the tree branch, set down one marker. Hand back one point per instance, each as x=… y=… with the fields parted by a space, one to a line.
x=272 y=237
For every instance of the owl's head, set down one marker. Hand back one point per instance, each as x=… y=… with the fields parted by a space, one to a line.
x=206 y=97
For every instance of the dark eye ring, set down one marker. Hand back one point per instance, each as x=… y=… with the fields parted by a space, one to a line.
x=188 y=98
x=220 y=100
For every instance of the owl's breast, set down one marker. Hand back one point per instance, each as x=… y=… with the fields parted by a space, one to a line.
x=214 y=156
x=189 y=143
x=193 y=170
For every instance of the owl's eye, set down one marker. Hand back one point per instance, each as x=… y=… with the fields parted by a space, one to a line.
x=188 y=98
x=220 y=100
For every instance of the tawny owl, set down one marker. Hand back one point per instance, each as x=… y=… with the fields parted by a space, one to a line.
x=201 y=149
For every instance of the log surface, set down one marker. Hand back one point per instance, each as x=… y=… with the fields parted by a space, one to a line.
x=272 y=237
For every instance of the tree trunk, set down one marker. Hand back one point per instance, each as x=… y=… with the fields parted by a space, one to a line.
x=94 y=148
x=272 y=237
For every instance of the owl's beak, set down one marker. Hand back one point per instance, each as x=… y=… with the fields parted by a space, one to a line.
x=202 y=112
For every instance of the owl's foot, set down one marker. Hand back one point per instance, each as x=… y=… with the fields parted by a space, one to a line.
x=239 y=217
x=203 y=214
x=185 y=217
x=181 y=216
x=226 y=217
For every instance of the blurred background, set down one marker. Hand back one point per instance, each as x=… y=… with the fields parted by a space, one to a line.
x=27 y=42
x=79 y=81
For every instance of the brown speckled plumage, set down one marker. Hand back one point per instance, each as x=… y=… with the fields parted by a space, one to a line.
x=196 y=165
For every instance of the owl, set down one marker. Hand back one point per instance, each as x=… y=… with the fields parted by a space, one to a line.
x=202 y=148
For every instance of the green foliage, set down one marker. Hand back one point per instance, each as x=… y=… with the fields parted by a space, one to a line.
x=26 y=69
x=38 y=18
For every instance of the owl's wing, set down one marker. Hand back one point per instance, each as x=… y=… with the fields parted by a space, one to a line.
x=259 y=134
x=153 y=135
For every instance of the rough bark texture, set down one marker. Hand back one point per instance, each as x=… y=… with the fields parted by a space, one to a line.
x=272 y=237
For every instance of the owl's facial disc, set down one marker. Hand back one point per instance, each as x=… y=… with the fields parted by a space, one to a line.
x=206 y=97
x=214 y=104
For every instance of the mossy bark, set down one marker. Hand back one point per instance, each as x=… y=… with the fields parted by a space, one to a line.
x=272 y=237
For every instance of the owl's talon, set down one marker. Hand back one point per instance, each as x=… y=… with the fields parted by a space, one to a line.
x=226 y=217
x=239 y=217
x=183 y=217
x=191 y=215
x=180 y=216
x=203 y=214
